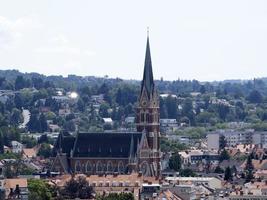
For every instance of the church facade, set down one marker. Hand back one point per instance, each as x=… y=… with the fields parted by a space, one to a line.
x=122 y=153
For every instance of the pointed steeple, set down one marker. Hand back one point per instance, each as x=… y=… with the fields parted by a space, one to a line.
x=148 y=81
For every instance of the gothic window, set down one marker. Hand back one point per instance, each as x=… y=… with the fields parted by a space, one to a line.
x=89 y=167
x=121 y=167
x=145 y=168
x=109 y=167
x=147 y=117
x=99 y=167
x=142 y=117
x=78 y=166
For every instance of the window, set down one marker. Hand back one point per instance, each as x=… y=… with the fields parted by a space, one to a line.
x=78 y=166
x=142 y=117
x=98 y=167
x=109 y=167
x=89 y=167
x=121 y=167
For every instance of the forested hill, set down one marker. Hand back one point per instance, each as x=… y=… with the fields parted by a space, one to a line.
x=179 y=87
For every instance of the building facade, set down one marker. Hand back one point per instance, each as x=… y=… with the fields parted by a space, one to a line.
x=122 y=153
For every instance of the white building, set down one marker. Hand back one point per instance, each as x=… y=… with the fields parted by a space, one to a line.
x=213 y=141
x=16 y=147
x=260 y=138
x=232 y=138
x=168 y=125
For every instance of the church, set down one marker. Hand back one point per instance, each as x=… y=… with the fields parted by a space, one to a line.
x=117 y=152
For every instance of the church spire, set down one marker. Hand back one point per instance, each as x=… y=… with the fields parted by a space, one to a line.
x=148 y=81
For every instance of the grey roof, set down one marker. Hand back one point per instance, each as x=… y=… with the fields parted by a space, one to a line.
x=122 y=145
x=106 y=144
x=148 y=80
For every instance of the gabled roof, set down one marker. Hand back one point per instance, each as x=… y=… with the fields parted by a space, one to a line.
x=106 y=144
x=63 y=144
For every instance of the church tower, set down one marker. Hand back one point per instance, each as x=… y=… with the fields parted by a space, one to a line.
x=147 y=116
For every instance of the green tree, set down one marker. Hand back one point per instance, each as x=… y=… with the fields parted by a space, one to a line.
x=172 y=107
x=224 y=155
x=222 y=142
x=20 y=83
x=228 y=176
x=81 y=105
x=103 y=110
x=175 y=162
x=187 y=172
x=34 y=123
x=218 y=170
x=1 y=143
x=16 y=117
x=39 y=190
x=28 y=141
x=249 y=169
x=77 y=188
x=43 y=123
x=255 y=97
x=45 y=150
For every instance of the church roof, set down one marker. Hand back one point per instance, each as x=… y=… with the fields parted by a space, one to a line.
x=105 y=144
x=63 y=144
x=120 y=145
x=148 y=80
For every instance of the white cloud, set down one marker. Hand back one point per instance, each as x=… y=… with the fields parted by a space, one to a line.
x=11 y=31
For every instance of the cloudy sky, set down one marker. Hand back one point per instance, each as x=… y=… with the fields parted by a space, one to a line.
x=192 y=39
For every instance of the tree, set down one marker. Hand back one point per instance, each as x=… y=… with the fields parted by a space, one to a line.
x=103 y=110
x=39 y=190
x=30 y=142
x=69 y=125
x=255 y=97
x=249 y=168
x=77 y=188
x=81 y=105
x=20 y=83
x=34 y=123
x=175 y=162
x=223 y=110
x=43 y=123
x=222 y=142
x=187 y=173
x=18 y=101
x=45 y=150
x=218 y=170
x=224 y=155
x=16 y=117
x=228 y=176
x=172 y=107
x=1 y=143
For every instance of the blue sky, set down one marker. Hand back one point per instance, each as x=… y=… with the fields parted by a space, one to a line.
x=194 y=39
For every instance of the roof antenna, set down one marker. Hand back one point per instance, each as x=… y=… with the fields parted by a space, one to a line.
x=148 y=31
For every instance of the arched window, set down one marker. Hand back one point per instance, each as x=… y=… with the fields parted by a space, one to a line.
x=99 y=167
x=77 y=166
x=109 y=167
x=121 y=167
x=142 y=117
x=145 y=168
x=147 y=117
x=89 y=167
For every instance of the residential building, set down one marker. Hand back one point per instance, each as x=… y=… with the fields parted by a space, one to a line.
x=16 y=147
x=211 y=182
